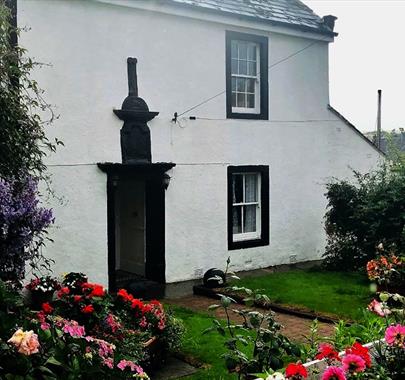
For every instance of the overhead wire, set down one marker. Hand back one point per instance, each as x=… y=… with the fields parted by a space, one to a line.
x=177 y=115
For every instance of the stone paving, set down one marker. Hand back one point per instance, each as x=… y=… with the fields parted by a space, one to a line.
x=294 y=328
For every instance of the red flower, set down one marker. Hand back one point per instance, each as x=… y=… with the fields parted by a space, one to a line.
x=63 y=291
x=359 y=350
x=137 y=304
x=98 y=291
x=47 y=308
x=147 y=308
x=41 y=316
x=124 y=295
x=77 y=298
x=87 y=309
x=155 y=303
x=326 y=351
x=296 y=371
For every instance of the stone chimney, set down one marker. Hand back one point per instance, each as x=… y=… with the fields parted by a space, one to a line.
x=135 y=134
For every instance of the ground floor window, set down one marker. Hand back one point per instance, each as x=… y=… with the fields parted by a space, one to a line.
x=248 y=206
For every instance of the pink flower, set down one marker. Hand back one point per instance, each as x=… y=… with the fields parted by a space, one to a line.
x=333 y=373
x=73 y=329
x=126 y=363
x=143 y=323
x=30 y=344
x=377 y=308
x=353 y=363
x=108 y=362
x=161 y=324
x=363 y=352
x=25 y=341
x=45 y=326
x=395 y=336
x=112 y=322
x=105 y=349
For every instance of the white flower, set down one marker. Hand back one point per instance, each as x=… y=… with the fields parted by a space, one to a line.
x=276 y=376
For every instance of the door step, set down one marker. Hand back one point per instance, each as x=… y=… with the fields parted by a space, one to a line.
x=139 y=286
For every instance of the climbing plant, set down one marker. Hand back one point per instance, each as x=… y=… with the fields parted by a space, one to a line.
x=24 y=116
x=24 y=113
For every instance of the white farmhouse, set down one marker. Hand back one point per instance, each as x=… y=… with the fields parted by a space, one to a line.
x=227 y=155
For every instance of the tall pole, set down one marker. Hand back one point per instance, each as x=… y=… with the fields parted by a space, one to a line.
x=379 y=121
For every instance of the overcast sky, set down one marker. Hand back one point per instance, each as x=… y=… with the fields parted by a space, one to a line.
x=368 y=54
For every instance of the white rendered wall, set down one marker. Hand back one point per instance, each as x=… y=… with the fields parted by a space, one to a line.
x=181 y=62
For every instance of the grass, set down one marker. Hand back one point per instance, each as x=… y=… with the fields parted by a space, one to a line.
x=341 y=294
x=338 y=293
x=207 y=348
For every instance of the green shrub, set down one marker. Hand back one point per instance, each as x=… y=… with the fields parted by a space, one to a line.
x=363 y=214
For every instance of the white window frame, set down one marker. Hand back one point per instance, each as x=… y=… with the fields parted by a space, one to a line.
x=256 y=78
x=256 y=234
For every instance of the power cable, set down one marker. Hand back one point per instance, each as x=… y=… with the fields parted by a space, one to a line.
x=177 y=115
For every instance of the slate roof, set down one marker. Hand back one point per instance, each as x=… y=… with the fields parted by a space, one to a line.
x=290 y=13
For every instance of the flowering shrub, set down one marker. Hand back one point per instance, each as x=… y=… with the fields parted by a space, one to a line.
x=23 y=225
x=84 y=332
x=386 y=270
x=43 y=284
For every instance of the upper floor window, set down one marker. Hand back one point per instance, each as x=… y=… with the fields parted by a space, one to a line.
x=246 y=76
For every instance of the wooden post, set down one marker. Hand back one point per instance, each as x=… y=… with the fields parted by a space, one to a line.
x=379 y=121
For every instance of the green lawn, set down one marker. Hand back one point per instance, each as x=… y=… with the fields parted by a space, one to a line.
x=339 y=293
x=342 y=294
x=207 y=348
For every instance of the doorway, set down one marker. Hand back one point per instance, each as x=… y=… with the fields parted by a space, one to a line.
x=130 y=227
x=136 y=222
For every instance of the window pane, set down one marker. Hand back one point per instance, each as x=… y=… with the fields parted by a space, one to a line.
x=251 y=68
x=240 y=84
x=237 y=219
x=234 y=66
x=233 y=99
x=233 y=84
x=252 y=52
x=241 y=100
x=250 y=86
x=237 y=188
x=234 y=49
x=251 y=187
x=242 y=50
x=242 y=67
x=249 y=218
x=250 y=101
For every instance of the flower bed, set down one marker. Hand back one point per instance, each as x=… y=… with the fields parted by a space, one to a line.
x=83 y=332
x=266 y=350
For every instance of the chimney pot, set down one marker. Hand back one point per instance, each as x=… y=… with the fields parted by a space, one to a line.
x=329 y=22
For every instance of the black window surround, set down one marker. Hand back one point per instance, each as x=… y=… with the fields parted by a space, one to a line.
x=264 y=207
x=264 y=87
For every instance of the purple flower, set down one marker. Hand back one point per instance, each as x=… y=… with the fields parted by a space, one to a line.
x=23 y=223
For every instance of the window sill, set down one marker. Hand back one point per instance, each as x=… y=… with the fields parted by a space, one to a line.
x=242 y=244
x=251 y=116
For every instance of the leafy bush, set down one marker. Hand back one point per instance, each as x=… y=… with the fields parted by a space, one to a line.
x=256 y=344
x=363 y=214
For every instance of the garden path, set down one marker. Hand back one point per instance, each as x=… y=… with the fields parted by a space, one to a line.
x=295 y=328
